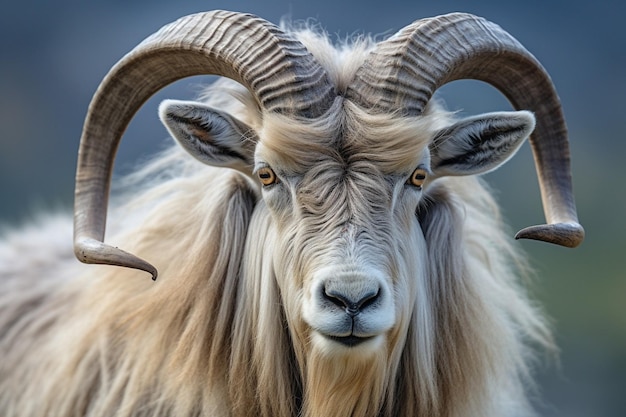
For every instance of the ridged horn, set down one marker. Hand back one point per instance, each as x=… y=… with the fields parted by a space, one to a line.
x=402 y=73
x=277 y=69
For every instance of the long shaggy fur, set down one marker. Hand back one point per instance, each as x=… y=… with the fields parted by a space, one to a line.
x=219 y=333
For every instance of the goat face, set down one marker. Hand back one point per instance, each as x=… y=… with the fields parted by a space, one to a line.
x=342 y=193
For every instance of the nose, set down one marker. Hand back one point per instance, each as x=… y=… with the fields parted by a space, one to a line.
x=349 y=307
x=354 y=302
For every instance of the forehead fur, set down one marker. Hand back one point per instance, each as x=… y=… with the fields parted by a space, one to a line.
x=348 y=135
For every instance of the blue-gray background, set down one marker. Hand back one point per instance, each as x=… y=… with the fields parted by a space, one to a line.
x=54 y=54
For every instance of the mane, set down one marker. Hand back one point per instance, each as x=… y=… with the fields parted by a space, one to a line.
x=211 y=334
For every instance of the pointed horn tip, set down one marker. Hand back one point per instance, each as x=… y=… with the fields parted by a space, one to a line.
x=92 y=251
x=569 y=234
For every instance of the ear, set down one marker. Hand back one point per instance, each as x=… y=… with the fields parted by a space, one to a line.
x=479 y=144
x=209 y=135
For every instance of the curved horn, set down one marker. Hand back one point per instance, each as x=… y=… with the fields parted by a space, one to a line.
x=403 y=72
x=277 y=69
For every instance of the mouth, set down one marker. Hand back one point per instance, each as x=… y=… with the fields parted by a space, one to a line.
x=349 y=341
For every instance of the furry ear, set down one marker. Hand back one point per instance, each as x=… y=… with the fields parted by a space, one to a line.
x=209 y=135
x=479 y=144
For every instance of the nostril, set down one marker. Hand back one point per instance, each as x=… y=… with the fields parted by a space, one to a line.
x=336 y=298
x=369 y=300
x=347 y=302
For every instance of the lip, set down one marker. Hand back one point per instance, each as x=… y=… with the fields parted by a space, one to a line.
x=349 y=341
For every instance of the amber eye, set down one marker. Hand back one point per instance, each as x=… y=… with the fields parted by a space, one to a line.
x=266 y=176
x=417 y=177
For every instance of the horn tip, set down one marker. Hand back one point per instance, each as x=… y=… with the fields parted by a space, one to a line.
x=93 y=251
x=569 y=234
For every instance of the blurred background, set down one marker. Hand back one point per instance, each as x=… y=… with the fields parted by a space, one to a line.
x=54 y=54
